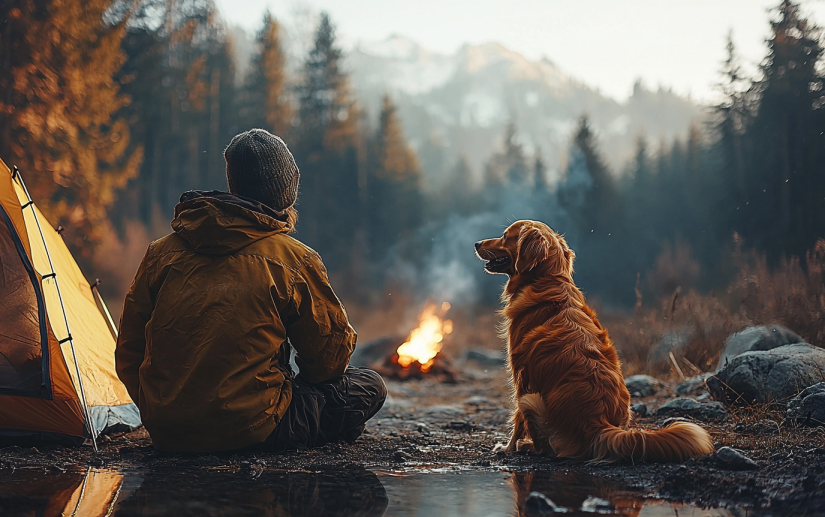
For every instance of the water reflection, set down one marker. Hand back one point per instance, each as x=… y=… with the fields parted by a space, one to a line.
x=350 y=491
x=574 y=491
x=98 y=493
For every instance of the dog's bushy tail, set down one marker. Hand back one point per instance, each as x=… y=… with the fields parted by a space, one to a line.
x=676 y=442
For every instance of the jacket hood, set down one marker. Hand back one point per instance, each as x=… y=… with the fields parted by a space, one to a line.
x=219 y=223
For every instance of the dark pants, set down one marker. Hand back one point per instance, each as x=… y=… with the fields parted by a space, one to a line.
x=331 y=411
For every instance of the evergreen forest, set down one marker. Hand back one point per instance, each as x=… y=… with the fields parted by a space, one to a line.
x=111 y=109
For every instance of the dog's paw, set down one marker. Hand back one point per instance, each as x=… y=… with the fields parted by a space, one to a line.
x=500 y=448
x=525 y=446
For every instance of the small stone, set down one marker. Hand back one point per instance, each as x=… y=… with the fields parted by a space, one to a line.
x=452 y=409
x=538 y=503
x=486 y=357
x=596 y=505
x=731 y=459
x=693 y=385
x=808 y=408
x=642 y=385
x=639 y=408
x=459 y=425
x=400 y=456
x=478 y=400
x=688 y=407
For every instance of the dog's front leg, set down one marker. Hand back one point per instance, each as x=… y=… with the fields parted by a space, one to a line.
x=519 y=432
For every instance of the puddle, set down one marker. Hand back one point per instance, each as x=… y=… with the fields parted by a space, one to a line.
x=347 y=492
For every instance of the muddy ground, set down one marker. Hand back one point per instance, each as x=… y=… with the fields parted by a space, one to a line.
x=427 y=424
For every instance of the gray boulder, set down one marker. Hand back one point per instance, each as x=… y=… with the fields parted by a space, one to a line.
x=640 y=409
x=641 y=385
x=731 y=459
x=486 y=357
x=686 y=407
x=808 y=408
x=539 y=503
x=693 y=385
x=375 y=350
x=753 y=339
x=768 y=376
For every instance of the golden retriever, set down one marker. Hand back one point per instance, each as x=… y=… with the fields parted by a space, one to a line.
x=569 y=393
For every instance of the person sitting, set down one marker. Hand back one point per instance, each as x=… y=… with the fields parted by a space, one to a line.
x=215 y=307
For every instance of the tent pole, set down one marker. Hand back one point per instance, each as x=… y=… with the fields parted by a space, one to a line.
x=87 y=413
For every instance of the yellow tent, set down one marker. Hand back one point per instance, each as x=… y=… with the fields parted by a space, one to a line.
x=57 y=340
x=94 y=493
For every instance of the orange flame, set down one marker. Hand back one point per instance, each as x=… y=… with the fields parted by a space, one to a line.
x=425 y=341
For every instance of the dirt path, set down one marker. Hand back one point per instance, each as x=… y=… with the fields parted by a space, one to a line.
x=426 y=424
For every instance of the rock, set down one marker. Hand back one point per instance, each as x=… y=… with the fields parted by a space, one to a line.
x=400 y=456
x=754 y=339
x=452 y=409
x=768 y=376
x=485 y=357
x=639 y=408
x=731 y=459
x=538 y=503
x=459 y=425
x=596 y=505
x=688 y=407
x=478 y=400
x=693 y=386
x=641 y=385
x=808 y=408
x=374 y=351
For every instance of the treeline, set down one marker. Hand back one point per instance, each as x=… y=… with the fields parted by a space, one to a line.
x=754 y=177
x=113 y=108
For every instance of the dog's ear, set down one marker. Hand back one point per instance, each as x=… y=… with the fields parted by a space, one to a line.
x=533 y=248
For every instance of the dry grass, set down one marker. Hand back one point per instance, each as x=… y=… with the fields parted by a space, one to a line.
x=694 y=326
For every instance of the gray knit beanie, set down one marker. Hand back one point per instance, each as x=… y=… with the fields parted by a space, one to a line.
x=260 y=166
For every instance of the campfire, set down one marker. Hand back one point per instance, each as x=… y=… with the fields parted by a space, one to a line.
x=420 y=356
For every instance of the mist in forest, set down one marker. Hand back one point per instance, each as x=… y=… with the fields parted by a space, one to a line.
x=127 y=105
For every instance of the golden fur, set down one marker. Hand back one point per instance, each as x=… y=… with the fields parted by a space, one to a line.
x=568 y=388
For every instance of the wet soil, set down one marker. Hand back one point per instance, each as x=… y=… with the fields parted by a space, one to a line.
x=430 y=426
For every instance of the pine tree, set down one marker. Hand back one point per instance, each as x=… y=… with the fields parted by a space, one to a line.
x=394 y=184
x=590 y=194
x=782 y=209
x=265 y=102
x=509 y=167
x=181 y=80
x=58 y=110
x=327 y=151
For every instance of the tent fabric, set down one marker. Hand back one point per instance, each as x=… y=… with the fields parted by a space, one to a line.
x=21 y=365
x=37 y=365
x=93 y=493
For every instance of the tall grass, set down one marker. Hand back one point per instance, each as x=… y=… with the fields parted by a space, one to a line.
x=693 y=326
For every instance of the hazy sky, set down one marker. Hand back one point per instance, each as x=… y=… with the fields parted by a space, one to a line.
x=605 y=43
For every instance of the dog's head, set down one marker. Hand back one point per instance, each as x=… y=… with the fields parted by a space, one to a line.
x=527 y=246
